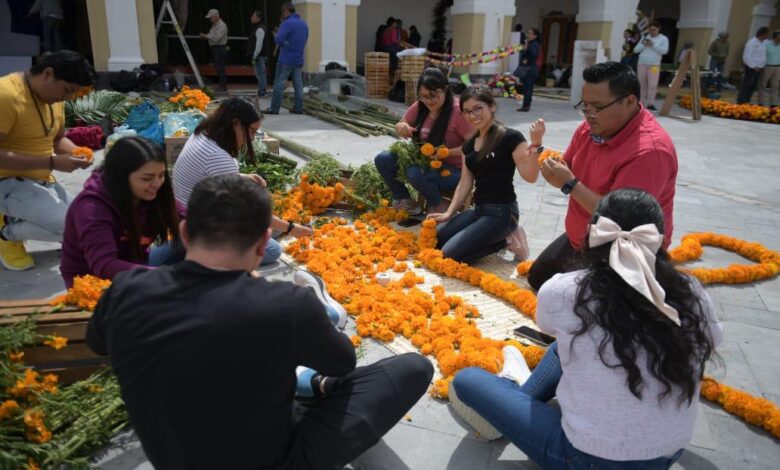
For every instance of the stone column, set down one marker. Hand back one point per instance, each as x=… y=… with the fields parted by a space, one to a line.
x=124 y=37
x=605 y=20
x=481 y=25
x=700 y=21
x=762 y=16
x=332 y=33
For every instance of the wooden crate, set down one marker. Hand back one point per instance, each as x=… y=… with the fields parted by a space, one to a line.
x=410 y=92
x=377 y=71
x=412 y=67
x=72 y=363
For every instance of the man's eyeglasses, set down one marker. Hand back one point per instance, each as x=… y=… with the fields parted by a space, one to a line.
x=583 y=107
x=475 y=111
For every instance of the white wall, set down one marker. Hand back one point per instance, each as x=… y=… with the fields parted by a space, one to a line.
x=529 y=12
x=372 y=13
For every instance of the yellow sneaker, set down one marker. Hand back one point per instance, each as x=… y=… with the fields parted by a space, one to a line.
x=13 y=256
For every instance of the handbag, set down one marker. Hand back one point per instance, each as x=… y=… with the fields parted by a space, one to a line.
x=521 y=71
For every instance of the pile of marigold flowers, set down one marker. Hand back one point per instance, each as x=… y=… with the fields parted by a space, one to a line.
x=305 y=200
x=190 y=98
x=83 y=152
x=85 y=293
x=747 y=112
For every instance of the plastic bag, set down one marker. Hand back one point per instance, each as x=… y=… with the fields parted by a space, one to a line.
x=517 y=243
x=154 y=133
x=142 y=116
x=181 y=123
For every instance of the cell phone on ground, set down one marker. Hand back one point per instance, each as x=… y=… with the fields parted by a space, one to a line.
x=533 y=335
x=410 y=222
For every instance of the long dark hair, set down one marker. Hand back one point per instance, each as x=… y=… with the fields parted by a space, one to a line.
x=219 y=126
x=675 y=354
x=126 y=156
x=434 y=79
x=496 y=132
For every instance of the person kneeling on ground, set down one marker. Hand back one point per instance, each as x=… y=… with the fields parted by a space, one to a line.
x=206 y=353
x=633 y=336
x=619 y=145
x=125 y=206
x=32 y=145
x=433 y=118
x=213 y=149
x=489 y=161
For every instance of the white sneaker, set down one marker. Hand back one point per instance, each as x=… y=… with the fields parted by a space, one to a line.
x=484 y=429
x=306 y=279
x=515 y=368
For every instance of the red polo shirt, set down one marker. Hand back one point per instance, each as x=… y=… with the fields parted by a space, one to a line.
x=640 y=156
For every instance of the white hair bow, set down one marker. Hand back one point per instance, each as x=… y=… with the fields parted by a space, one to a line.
x=632 y=256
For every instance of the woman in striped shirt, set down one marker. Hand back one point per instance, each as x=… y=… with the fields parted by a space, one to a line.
x=213 y=149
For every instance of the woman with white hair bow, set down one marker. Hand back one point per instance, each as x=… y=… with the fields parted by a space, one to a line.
x=632 y=337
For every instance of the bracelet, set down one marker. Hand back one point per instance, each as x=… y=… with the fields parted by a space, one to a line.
x=51 y=162
x=289 y=228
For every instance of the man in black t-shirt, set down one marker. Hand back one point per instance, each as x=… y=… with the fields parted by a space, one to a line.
x=206 y=353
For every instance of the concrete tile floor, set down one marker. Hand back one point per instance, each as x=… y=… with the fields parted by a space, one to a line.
x=727 y=183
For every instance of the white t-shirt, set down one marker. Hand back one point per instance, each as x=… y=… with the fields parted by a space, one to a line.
x=200 y=158
x=600 y=415
x=651 y=55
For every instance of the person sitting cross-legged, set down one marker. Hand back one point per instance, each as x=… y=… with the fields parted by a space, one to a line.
x=206 y=353
x=633 y=335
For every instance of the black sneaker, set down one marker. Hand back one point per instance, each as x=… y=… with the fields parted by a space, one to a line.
x=651 y=107
x=270 y=111
x=296 y=112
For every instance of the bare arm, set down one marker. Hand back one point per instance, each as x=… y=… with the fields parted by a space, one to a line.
x=461 y=192
x=557 y=174
x=64 y=162
x=525 y=162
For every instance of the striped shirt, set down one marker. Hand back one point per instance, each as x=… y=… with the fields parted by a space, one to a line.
x=200 y=158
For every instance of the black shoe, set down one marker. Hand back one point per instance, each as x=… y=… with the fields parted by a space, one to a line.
x=270 y=111
x=295 y=112
x=524 y=109
x=650 y=107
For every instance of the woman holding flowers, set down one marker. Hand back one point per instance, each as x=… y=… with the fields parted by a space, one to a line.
x=633 y=337
x=125 y=206
x=213 y=149
x=489 y=161
x=433 y=119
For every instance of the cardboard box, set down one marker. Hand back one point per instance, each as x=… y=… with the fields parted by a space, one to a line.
x=272 y=145
x=173 y=146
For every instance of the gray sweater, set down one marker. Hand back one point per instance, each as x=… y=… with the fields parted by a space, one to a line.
x=600 y=416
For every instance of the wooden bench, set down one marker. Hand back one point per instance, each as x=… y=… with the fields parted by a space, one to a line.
x=72 y=363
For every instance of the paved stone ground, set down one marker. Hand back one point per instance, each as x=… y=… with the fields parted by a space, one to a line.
x=727 y=184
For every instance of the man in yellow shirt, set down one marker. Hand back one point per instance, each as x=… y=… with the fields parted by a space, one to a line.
x=32 y=146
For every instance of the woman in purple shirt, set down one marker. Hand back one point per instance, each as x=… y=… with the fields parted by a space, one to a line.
x=125 y=207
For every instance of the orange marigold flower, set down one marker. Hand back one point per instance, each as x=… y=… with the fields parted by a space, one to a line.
x=8 y=408
x=16 y=356
x=524 y=267
x=427 y=149
x=356 y=340
x=443 y=152
x=56 y=342
x=83 y=152
x=436 y=164
x=445 y=173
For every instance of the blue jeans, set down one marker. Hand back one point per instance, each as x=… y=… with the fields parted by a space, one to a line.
x=429 y=183
x=477 y=232
x=528 y=86
x=262 y=83
x=523 y=416
x=35 y=210
x=166 y=254
x=273 y=251
x=219 y=54
x=718 y=68
x=283 y=72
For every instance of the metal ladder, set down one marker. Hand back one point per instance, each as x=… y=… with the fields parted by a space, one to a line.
x=166 y=6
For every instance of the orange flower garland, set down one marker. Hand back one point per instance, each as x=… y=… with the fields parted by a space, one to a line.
x=754 y=410
x=722 y=108
x=768 y=261
x=524 y=267
x=191 y=98
x=85 y=293
x=83 y=152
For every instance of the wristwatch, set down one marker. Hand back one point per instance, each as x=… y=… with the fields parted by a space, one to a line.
x=569 y=185
x=289 y=228
x=538 y=149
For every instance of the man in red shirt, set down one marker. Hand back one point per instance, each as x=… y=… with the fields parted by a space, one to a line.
x=619 y=145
